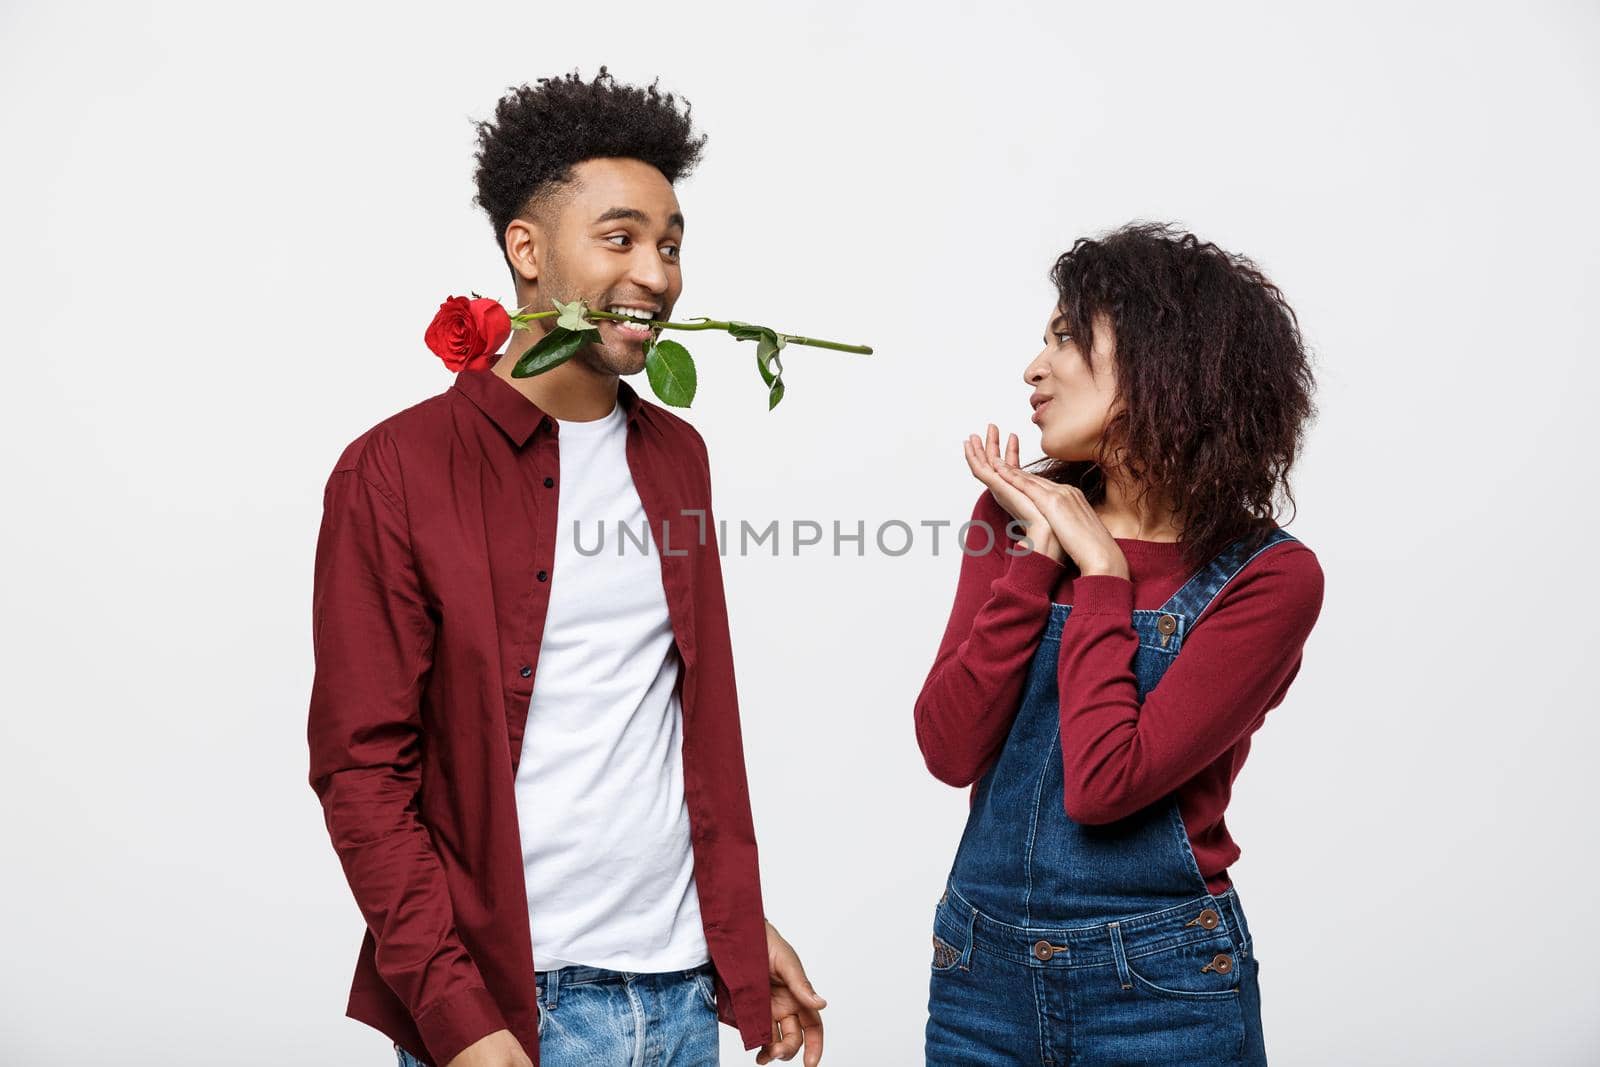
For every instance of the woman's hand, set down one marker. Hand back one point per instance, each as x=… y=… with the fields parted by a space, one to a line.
x=1072 y=521
x=983 y=457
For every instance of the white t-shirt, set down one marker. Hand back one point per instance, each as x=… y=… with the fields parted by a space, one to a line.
x=600 y=801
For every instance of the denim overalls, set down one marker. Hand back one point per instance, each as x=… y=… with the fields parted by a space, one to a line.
x=1056 y=943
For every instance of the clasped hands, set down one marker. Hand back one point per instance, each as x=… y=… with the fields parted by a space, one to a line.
x=1059 y=519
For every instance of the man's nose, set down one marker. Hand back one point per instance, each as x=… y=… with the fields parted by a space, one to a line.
x=648 y=271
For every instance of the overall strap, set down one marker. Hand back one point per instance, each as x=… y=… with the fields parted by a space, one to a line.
x=1199 y=591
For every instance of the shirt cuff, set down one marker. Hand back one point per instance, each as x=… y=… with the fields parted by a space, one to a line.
x=460 y=1020
x=1102 y=594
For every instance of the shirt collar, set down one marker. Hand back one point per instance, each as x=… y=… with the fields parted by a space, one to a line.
x=514 y=413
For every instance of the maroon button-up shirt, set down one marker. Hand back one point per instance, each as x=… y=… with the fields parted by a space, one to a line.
x=428 y=611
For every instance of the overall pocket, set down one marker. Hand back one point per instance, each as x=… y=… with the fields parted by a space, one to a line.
x=952 y=938
x=1199 y=970
x=945 y=955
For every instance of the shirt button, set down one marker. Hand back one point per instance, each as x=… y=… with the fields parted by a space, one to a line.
x=525 y=671
x=544 y=576
x=549 y=483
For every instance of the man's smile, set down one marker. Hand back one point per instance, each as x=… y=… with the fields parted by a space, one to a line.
x=628 y=332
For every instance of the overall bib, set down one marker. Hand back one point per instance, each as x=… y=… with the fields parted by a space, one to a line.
x=1056 y=943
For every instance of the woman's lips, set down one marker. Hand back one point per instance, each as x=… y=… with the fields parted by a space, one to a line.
x=1038 y=409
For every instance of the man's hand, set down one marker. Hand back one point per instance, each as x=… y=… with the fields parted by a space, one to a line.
x=499 y=1049
x=795 y=1006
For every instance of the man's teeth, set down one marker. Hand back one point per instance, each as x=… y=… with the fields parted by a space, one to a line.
x=632 y=327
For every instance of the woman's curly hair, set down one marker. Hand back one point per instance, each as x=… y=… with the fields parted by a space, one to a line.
x=1212 y=372
x=539 y=133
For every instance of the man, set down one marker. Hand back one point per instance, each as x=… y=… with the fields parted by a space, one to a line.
x=528 y=753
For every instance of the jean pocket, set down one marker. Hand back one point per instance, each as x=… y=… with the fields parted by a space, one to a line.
x=945 y=955
x=1192 y=971
x=406 y=1059
x=706 y=983
x=952 y=938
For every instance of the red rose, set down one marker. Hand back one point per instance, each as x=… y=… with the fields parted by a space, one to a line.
x=465 y=332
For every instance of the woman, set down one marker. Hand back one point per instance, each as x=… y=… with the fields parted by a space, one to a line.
x=1088 y=917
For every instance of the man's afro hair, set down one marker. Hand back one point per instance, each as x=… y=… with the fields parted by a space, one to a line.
x=538 y=134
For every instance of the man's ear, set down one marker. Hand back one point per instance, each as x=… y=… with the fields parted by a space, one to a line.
x=525 y=249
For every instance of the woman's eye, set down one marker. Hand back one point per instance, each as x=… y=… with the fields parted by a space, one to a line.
x=1063 y=338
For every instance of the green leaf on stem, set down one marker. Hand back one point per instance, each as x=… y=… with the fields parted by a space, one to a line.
x=571 y=317
x=552 y=350
x=770 y=365
x=670 y=369
x=768 y=346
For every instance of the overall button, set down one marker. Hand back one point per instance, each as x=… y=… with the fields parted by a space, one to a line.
x=1207 y=918
x=1044 y=949
x=1222 y=963
x=1167 y=624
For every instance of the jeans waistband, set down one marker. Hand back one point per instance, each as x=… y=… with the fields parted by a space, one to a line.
x=579 y=973
x=1198 y=919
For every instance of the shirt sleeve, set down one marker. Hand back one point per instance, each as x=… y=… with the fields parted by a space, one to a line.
x=373 y=638
x=1120 y=754
x=1002 y=603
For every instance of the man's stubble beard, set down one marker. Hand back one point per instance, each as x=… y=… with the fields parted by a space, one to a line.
x=597 y=356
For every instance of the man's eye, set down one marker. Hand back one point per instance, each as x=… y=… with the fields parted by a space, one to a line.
x=618 y=237
x=673 y=250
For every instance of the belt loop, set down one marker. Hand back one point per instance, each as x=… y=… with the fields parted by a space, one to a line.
x=552 y=983
x=1121 y=956
x=966 y=950
x=1241 y=932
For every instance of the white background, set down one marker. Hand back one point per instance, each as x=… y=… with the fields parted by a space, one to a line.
x=226 y=227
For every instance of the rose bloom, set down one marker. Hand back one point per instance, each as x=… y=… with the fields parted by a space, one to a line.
x=464 y=333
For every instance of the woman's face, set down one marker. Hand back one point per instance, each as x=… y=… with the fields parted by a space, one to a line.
x=1073 y=396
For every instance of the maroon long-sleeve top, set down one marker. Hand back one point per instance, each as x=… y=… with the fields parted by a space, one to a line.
x=1189 y=735
x=434 y=564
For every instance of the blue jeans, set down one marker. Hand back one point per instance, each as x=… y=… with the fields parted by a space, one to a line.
x=594 y=1017
x=1144 y=990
